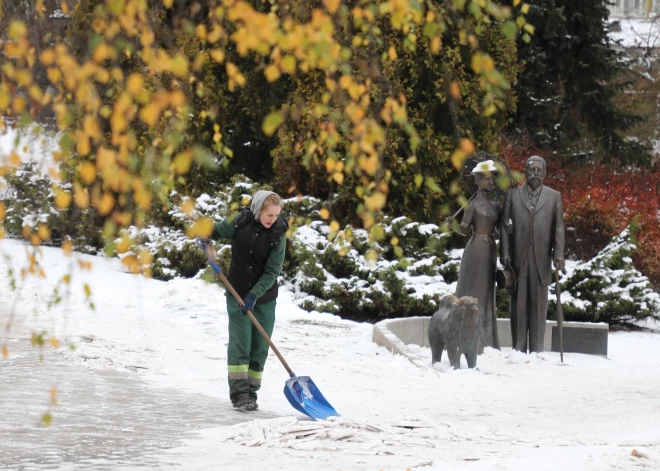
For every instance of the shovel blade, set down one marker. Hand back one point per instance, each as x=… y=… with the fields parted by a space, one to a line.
x=305 y=397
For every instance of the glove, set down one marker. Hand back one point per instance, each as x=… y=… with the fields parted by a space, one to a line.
x=205 y=244
x=202 y=241
x=250 y=300
x=559 y=263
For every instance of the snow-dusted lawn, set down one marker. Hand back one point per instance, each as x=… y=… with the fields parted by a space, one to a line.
x=637 y=32
x=517 y=412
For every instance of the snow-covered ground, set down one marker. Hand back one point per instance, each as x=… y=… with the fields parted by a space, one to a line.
x=516 y=412
x=637 y=32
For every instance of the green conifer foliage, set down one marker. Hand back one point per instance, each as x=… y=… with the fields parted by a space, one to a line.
x=566 y=88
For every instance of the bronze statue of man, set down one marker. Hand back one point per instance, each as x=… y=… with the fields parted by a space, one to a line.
x=532 y=238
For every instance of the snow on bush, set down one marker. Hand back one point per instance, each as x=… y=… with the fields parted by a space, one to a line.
x=608 y=288
x=404 y=273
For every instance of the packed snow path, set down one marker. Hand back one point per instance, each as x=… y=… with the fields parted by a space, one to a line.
x=103 y=418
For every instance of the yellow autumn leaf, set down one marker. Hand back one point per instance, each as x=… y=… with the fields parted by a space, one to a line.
x=457 y=158
x=467 y=146
x=36 y=93
x=150 y=114
x=325 y=214
x=272 y=73
x=123 y=219
x=47 y=419
x=18 y=105
x=239 y=78
x=288 y=64
x=83 y=146
x=81 y=196
x=84 y=265
x=330 y=84
x=91 y=127
x=67 y=247
x=215 y=34
x=131 y=263
x=5 y=352
x=179 y=65
x=143 y=199
x=145 y=257
x=188 y=206
x=168 y=3
x=332 y=5
x=490 y=110
x=62 y=199
x=3 y=212
x=218 y=55
x=123 y=245
x=43 y=232
x=88 y=172
x=106 y=204
x=53 y=390
x=201 y=228
x=54 y=75
x=391 y=53
x=334 y=226
x=272 y=122
x=14 y=159
x=182 y=162
x=101 y=53
x=330 y=165
x=134 y=84
x=54 y=342
x=454 y=89
x=375 y=201
x=5 y=100
x=436 y=44
x=177 y=98
x=17 y=30
x=201 y=31
x=369 y=164
x=338 y=177
x=47 y=57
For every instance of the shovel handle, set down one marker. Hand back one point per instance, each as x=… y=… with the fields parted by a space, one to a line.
x=559 y=315
x=211 y=258
x=256 y=324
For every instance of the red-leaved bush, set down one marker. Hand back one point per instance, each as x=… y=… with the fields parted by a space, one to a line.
x=600 y=200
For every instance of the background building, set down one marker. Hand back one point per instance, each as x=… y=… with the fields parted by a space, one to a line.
x=634 y=8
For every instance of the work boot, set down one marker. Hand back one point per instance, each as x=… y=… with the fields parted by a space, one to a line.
x=246 y=405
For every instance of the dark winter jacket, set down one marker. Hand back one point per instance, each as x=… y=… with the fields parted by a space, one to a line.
x=257 y=254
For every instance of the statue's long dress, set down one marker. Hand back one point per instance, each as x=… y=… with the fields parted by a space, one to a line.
x=479 y=263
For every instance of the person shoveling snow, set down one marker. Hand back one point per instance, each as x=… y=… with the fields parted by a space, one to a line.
x=258 y=246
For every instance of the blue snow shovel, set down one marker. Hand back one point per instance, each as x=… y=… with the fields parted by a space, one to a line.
x=301 y=391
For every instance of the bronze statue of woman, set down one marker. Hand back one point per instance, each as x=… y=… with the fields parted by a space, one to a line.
x=479 y=262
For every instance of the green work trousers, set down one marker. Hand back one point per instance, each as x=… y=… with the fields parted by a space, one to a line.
x=247 y=350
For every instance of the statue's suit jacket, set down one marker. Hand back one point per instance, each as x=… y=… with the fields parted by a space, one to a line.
x=547 y=232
